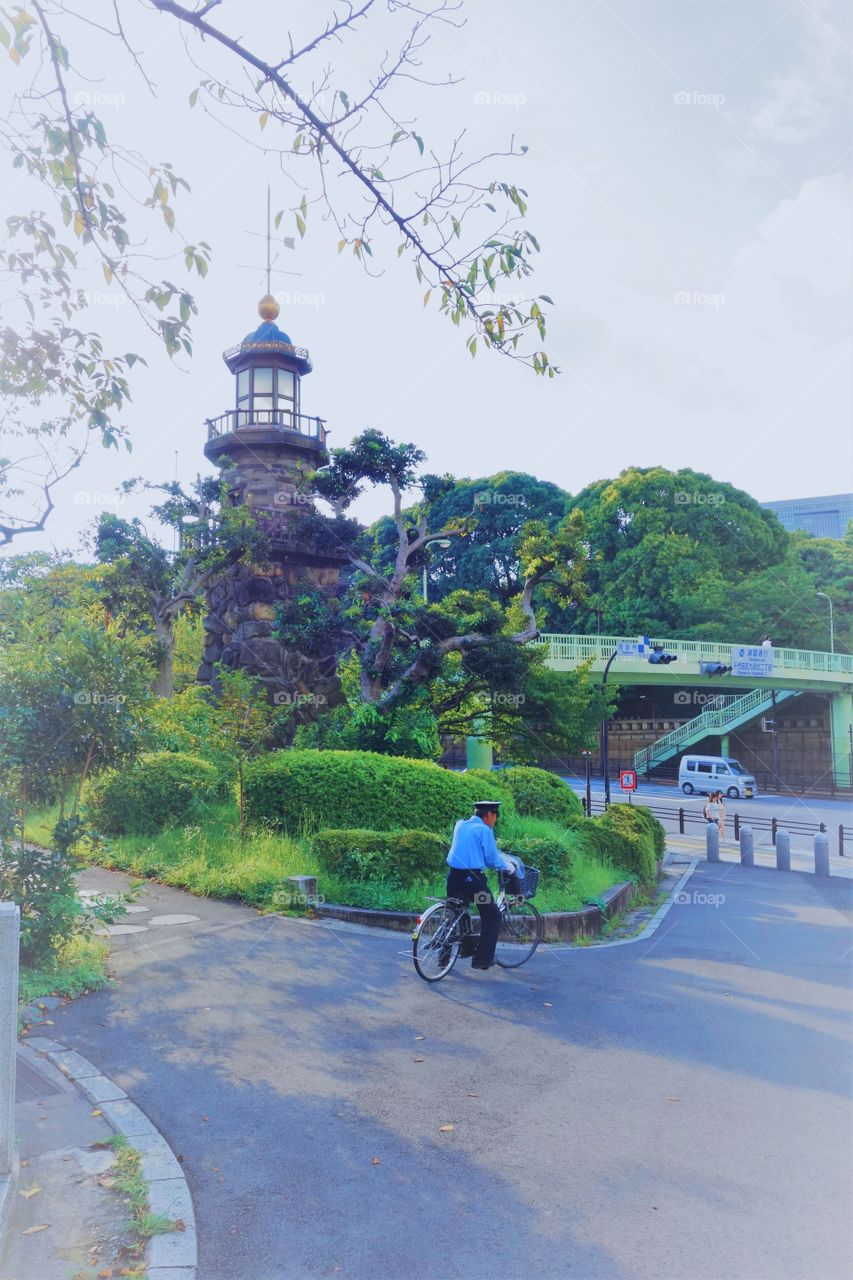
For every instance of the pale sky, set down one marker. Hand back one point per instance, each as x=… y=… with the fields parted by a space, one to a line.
x=689 y=179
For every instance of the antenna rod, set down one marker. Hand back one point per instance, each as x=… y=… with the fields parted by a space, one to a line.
x=269 y=290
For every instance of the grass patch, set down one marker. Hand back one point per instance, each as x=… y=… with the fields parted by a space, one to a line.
x=81 y=966
x=208 y=859
x=130 y=1183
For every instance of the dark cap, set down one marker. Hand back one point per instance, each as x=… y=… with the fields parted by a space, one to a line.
x=488 y=805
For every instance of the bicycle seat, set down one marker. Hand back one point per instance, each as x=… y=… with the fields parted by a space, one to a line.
x=454 y=902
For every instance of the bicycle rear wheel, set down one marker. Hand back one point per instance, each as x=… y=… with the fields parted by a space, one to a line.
x=520 y=933
x=435 y=941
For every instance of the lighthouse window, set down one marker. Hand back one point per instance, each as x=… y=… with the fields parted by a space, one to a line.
x=263 y=382
x=243 y=385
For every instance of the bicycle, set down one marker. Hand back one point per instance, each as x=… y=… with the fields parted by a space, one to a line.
x=447 y=930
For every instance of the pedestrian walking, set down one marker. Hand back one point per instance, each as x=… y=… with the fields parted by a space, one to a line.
x=767 y=643
x=721 y=814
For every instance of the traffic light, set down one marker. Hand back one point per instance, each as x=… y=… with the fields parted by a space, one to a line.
x=660 y=656
x=713 y=669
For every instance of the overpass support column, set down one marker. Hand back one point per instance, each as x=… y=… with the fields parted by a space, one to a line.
x=840 y=724
x=478 y=751
x=725 y=749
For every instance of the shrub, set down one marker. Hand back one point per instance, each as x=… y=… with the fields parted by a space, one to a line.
x=303 y=789
x=624 y=836
x=540 y=794
x=549 y=855
x=165 y=788
x=399 y=857
x=644 y=820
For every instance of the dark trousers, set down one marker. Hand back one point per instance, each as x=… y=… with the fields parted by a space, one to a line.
x=472 y=886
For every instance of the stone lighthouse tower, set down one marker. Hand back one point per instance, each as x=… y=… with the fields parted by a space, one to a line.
x=268 y=446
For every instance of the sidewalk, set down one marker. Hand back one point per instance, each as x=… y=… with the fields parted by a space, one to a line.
x=68 y=1220
x=65 y=1218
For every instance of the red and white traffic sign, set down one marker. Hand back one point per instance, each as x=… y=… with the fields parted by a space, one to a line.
x=628 y=780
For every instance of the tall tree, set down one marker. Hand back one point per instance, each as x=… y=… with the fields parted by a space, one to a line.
x=662 y=542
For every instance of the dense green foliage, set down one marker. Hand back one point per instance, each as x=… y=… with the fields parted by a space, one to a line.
x=300 y=790
x=70 y=703
x=624 y=835
x=160 y=789
x=495 y=510
x=41 y=881
x=540 y=794
x=398 y=857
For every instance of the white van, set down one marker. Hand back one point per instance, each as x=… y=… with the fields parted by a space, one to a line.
x=704 y=774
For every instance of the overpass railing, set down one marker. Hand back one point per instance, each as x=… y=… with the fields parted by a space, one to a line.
x=577 y=649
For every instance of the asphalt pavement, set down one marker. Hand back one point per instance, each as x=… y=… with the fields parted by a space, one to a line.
x=671 y=1109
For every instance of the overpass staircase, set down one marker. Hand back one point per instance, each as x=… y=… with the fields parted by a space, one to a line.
x=721 y=715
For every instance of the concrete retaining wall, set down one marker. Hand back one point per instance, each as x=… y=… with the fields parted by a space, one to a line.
x=559 y=926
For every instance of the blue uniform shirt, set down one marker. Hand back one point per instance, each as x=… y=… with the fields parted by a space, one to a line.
x=474 y=847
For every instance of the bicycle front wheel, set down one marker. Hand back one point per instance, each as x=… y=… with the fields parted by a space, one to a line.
x=520 y=933
x=435 y=942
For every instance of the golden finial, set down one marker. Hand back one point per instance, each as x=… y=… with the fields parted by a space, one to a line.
x=268 y=308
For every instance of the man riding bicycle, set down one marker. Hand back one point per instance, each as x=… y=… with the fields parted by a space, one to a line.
x=473 y=849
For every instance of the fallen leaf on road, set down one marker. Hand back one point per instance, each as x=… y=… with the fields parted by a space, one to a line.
x=97 y=1112
x=673 y=1099
x=420 y=1037
x=30 y=1231
x=105 y=1274
x=376 y=1160
x=418 y=1059
x=23 y=1163
x=547 y=1004
x=446 y=1128
x=180 y=1225
x=33 y=1191
x=215 y=1168
x=473 y=1095
x=204 y=1119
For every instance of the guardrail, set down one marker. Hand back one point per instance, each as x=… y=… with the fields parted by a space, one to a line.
x=266 y=419
x=577 y=649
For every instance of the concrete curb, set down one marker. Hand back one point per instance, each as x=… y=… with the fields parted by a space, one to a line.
x=8 y=1189
x=172 y=1256
x=558 y=926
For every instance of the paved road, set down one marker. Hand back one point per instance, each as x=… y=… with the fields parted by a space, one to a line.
x=672 y=1109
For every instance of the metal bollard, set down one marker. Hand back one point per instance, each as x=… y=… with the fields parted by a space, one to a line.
x=783 y=850
x=821 y=853
x=712 y=842
x=747 y=856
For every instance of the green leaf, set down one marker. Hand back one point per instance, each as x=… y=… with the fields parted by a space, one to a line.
x=194 y=97
x=344 y=99
x=263 y=118
x=300 y=224
x=420 y=143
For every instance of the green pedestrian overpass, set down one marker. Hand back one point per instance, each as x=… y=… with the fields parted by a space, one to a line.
x=793 y=671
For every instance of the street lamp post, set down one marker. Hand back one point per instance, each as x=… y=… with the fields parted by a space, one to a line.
x=824 y=596
x=433 y=542
x=605 y=739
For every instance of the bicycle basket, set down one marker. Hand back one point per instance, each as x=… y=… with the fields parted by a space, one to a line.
x=530 y=882
x=523 y=885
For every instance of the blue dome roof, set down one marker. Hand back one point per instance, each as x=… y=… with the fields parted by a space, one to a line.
x=268 y=332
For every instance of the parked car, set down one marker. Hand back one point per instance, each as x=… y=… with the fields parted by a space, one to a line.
x=703 y=774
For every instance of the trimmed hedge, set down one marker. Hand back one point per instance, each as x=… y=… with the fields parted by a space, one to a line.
x=552 y=857
x=540 y=794
x=298 y=790
x=399 y=857
x=624 y=835
x=162 y=789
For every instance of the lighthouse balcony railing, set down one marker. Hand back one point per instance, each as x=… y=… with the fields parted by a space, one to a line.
x=284 y=420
